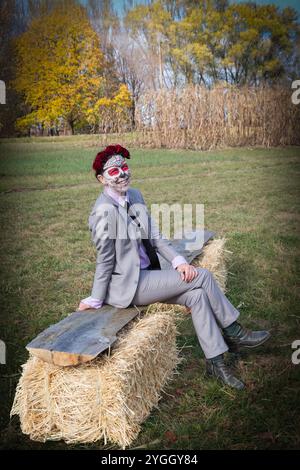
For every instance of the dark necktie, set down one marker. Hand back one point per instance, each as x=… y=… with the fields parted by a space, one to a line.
x=150 y=250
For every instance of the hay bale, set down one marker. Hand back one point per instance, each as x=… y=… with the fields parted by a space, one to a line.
x=107 y=398
x=214 y=257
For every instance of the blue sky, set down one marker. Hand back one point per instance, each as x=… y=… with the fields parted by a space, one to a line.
x=280 y=3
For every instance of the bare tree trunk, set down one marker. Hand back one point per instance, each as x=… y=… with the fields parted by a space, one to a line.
x=71 y=123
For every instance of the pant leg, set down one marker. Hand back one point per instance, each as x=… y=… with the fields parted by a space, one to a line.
x=223 y=309
x=208 y=332
x=158 y=286
x=167 y=286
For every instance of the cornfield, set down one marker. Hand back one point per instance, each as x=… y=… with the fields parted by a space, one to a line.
x=198 y=118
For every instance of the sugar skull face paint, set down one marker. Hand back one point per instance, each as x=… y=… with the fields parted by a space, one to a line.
x=116 y=173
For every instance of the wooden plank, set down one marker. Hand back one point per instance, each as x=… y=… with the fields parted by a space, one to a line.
x=83 y=335
x=183 y=246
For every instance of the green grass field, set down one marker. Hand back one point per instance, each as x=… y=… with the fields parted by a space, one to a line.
x=251 y=196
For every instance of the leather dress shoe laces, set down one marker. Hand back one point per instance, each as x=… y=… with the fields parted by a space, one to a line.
x=245 y=338
x=220 y=371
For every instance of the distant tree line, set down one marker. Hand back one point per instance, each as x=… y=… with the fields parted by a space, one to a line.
x=84 y=67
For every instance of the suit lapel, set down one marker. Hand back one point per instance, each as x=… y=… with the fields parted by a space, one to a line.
x=106 y=198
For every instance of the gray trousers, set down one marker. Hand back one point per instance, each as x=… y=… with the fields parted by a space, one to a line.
x=210 y=308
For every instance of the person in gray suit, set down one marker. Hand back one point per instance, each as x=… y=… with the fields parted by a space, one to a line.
x=128 y=271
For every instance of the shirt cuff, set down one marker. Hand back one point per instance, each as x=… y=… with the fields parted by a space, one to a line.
x=93 y=303
x=178 y=260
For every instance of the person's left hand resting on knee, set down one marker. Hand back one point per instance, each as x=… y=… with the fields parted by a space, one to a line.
x=187 y=271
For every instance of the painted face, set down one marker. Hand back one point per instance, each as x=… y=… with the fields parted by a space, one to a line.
x=116 y=173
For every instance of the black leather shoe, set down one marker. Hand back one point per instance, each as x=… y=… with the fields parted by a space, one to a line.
x=220 y=371
x=245 y=338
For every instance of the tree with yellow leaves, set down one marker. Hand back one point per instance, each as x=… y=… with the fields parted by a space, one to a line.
x=61 y=70
x=112 y=114
x=214 y=40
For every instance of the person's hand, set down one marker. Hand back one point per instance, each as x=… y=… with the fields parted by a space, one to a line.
x=83 y=306
x=187 y=271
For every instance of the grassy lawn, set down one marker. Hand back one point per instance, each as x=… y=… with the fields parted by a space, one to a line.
x=251 y=196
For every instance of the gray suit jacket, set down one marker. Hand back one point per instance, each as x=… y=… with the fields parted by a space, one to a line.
x=117 y=239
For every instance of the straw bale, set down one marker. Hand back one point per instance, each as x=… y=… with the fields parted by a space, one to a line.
x=107 y=398
x=110 y=397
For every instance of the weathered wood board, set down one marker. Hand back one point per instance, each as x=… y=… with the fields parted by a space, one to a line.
x=83 y=335
x=189 y=247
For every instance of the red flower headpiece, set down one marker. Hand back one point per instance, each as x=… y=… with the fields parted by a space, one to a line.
x=102 y=157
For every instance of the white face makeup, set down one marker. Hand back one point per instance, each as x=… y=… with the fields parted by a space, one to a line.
x=117 y=174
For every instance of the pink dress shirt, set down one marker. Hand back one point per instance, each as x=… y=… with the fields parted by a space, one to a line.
x=144 y=259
